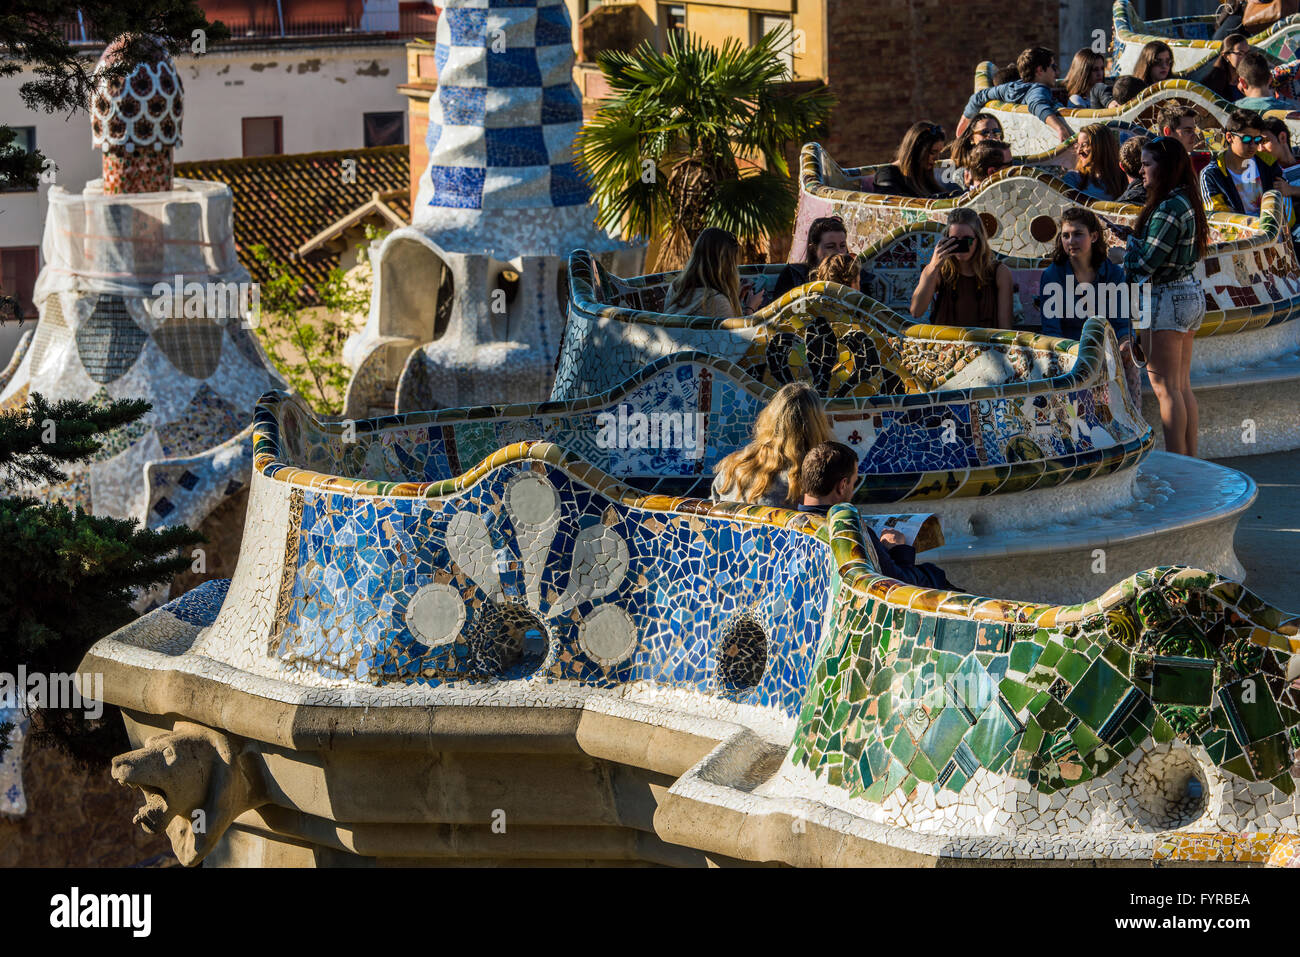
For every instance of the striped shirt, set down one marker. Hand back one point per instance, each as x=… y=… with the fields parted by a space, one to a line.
x=1166 y=251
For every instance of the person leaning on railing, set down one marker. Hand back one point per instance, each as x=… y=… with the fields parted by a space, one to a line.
x=1087 y=69
x=1222 y=78
x=826 y=237
x=766 y=471
x=1180 y=121
x=1097 y=172
x=709 y=284
x=912 y=172
x=1254 y=80
x=984 y=160
x=1038 y=70
x=1130 y=161
x=1239 y=177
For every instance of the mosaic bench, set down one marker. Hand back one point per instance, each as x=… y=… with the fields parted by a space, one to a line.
x=1060 y=523
x=845 y=343
x=1027 y=134
x=1019 y=207
x=1246 y=364
x=1189 y=38
x=752 y=654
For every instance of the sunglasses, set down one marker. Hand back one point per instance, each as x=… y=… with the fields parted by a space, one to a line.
x=1246 y=139
x=937 y=131
x=988 y=131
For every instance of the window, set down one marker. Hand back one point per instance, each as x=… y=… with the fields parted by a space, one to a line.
x=25 y=140
x=263 y=135
x=672 y=21
x=766 y=23
x=18 y=268
x=385 y=129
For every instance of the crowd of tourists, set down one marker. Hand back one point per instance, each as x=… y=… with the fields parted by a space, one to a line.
x=1166 y=172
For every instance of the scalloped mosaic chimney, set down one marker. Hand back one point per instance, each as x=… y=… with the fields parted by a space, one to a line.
x=500 y=206
x=155 y=305
x=136 y=120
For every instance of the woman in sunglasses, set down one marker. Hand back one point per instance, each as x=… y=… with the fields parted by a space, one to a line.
x=1169 y=239
x=1236 y=181
x=1155 y=63
x=985 y=126
x=912 y=172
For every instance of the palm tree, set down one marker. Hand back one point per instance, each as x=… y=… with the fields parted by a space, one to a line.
x=675 y=150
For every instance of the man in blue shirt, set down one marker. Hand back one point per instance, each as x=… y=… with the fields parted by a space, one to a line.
x=1038 y=70
x=1254 y=79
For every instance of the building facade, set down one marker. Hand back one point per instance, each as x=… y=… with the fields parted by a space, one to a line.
x=313 y=76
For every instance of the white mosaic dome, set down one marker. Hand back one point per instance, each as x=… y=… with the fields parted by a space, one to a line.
x=141 y=110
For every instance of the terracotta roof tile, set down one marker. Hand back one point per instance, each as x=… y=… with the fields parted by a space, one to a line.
x=285 y=200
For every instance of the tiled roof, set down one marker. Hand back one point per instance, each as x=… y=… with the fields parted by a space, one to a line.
x=283 y=201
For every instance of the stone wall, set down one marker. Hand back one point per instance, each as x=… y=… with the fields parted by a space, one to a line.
x=898 y=61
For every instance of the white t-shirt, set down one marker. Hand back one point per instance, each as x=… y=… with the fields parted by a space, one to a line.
x=1248 y=188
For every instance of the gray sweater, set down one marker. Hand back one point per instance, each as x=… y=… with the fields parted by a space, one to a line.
x=775 y=496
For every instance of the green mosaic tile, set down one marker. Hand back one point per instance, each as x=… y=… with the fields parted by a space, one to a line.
x=972 y=687
x=922 y=768
x=995 y=732
x=942 y=738
x=1184 y=681
x=1072 y=666
x=1097 y=694
x=1250 y=709
x=1016 y=695
x=1051 y=655
x=1052 y=715
x=956 y=635
x=903 y=748
x=1269 y=756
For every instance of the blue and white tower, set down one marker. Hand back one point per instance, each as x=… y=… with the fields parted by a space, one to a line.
x=500 y=207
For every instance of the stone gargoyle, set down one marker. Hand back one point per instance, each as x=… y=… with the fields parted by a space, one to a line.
x=196 y=781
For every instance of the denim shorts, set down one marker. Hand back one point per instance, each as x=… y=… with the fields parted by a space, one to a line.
x=1177 y=306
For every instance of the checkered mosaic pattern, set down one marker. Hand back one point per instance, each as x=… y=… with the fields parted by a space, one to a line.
x=502 y=124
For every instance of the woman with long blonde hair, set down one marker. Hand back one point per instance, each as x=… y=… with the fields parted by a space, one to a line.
x=963 y=284
x=766 y=471
x=709 y=285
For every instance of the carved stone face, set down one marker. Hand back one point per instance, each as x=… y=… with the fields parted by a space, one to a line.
x=192 y=785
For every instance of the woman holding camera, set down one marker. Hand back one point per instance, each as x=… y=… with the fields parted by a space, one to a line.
x=963 y=284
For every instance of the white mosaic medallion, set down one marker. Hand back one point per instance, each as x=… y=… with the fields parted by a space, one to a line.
x=531 y=499
x=608 y=635
x=435 y=614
